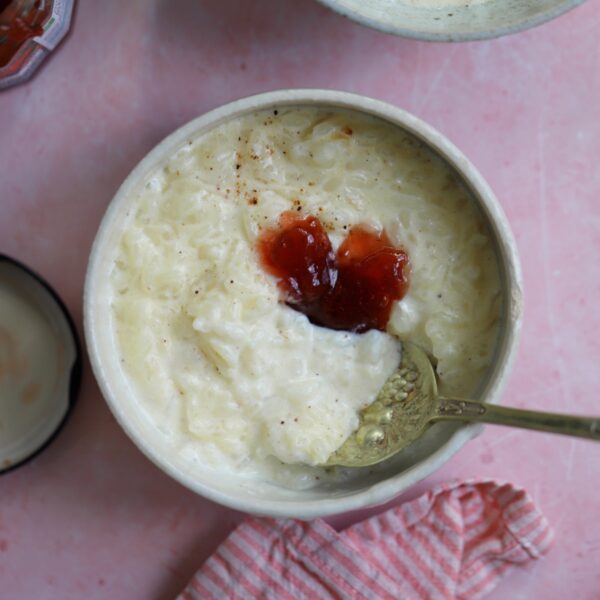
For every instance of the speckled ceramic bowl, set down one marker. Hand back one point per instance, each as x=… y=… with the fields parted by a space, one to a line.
x=368 y=488
x=451 y=20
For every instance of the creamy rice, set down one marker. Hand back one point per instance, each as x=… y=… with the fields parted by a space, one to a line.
x=234 y=378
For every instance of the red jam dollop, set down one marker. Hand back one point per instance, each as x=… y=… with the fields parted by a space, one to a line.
x=353 y=289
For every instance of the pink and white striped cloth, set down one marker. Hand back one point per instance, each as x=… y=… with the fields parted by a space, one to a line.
x=455 y=541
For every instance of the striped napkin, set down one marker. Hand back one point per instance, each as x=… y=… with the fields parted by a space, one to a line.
x=455 y=541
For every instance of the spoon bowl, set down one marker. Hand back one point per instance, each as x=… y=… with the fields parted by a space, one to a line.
x=408 y=403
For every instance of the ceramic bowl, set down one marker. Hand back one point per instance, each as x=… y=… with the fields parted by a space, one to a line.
x=451 y=20
x=423 y=457
x=40 y=364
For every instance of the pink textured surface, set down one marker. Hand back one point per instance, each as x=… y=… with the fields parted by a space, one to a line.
x=90 y=517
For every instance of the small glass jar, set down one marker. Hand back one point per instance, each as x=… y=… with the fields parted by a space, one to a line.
x=29 y=31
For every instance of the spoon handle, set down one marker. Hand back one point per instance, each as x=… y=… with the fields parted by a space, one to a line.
x=455 y=409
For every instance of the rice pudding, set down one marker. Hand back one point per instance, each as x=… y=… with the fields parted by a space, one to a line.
x=227 y=371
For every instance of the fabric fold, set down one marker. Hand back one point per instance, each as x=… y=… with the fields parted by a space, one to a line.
x=453 y=542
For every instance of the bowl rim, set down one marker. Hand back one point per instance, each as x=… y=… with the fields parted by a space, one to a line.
x=382 y=491
x=430 y=36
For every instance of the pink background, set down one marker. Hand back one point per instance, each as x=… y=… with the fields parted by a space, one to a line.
x=91 y=517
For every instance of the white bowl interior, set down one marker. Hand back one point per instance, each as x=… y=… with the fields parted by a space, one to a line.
x=449 y=20
x=372 y=486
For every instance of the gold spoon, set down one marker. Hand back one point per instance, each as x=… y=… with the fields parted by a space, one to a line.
x=408 y=403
